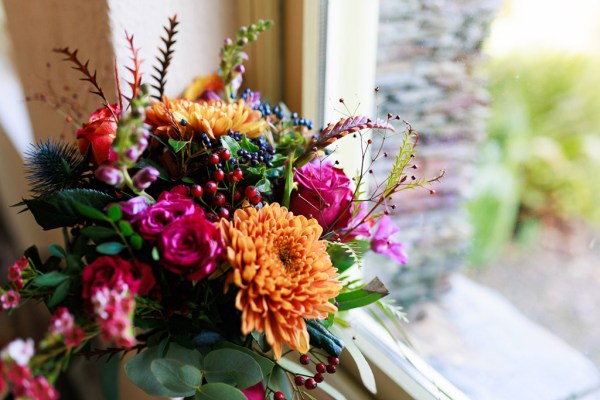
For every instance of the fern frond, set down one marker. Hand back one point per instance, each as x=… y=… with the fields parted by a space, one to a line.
x=402 y=161
x=165 y=59
x=89 y=76
x=135 y=71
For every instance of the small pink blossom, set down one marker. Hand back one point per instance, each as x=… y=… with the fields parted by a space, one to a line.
x=14 y=273
x=113 y=308
x=63 y=323
x=40 y=389
x=20 y=351
x=10 y=300
x=383 y=243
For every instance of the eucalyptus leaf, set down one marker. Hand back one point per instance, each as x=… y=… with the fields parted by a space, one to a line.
x=98 y=232
x=265 y=363
x=219 y=391
x=232 y=367
x=110 y=248
x=51 y=279
x=57 y=250
x=60 y=293
x=174 y=375
x=279 y=381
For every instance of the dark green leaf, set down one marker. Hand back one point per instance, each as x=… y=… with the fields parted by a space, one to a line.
x=177 y=145
x=110 y=248
x=232 y=367
x=57 y=250
x=136 y=241
x=264 y=185
x=261 y=340
x=33 y=255
x=90 y=212
x=265 y=363
x=60 y=209
x=109 y=373
x=187 y=179
x=370 y=293
x=60 y=294
x=289 y=182
x=98 y=232
x=280 y=382
x=246 y=144
x=219 y=391
x=114 y=212
x=125 y=228
x=138 y=371
x=323 y=339
x=231 y=144
x=51 y=279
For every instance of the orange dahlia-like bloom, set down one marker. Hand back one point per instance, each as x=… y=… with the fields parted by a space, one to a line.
x=283 y=273
x=184 y=120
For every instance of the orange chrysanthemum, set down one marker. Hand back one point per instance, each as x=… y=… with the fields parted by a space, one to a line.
x=283 y=273
x=211 y=82
x=184 y=120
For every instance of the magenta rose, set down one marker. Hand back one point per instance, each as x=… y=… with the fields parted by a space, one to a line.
x=152 y=221
x=108 y=271
x=191 y=246
x=323 y=193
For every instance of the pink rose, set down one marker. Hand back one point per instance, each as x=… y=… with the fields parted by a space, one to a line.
x=191 y=246
x=108 y=271
x=323 y=193
x=99 y=132
x=152 y=221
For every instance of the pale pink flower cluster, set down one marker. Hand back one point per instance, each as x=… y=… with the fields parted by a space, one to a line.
x=113 y=308
x=14 y=369
x=63 y=324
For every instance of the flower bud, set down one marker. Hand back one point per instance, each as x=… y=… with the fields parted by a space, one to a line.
x=145 y=177
x=239 y=69
x=109 y=174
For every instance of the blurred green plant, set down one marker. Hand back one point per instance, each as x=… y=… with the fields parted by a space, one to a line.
x=541 y=160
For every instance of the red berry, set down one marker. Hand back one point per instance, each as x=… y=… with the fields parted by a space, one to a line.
x=223 y=212
x=300 y=380
x=279 y=396
x=237 y=195
x=197 y=191
x=321 y=367
x=219 y=175
x=332 y=360
x=210 y=187
x=251 y=191
x=310 y=384
x=319 y=377
x=304 y=359
x=213 y=158
x=331 y=369
x=219 y=199
x=225 y=154
x=237 y=175
x=255 y=200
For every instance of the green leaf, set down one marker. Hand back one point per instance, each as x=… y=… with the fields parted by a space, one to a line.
x=125 y=228
x=280 y=382
x=370 y=293
x=60 y=208
x=246 y=144
x=98 y=232
x=289 y=182
x=57 y=250
x=266 y=364
x=114 y=212
x=176 y=376
x=232 y=367
x=59 y=294
x=137 y=370
x=136 y=241
x=109 y=375
x=230 y=144
x=177 y=145
x=187 y=179
x=261 y=340
x=90 y=212
x=51 y=279
x=322 y=338
x=110 y=248
x=155 y=254
x=219 y=391
x=264 y=185
x=364 y=369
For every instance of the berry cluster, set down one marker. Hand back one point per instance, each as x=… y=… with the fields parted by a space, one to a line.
x=264 y=154
x=320 y=368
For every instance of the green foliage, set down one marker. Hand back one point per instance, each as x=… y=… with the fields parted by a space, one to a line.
x=541 y=157
x=366 y=295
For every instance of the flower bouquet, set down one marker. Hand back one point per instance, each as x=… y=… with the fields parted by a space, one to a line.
x=212 y=235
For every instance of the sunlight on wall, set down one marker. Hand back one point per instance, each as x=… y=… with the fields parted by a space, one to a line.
x=565 y=25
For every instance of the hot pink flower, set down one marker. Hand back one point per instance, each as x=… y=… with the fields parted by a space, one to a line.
x=40 y=389
x=383 y=243
x=110 y=270
x=323 y=193
x=14 y=273
x=113 y=308
x=169 y=207
x=191 y=246
x=256 y=392
x=63 y=323
x=99 y=133
x=10 y=300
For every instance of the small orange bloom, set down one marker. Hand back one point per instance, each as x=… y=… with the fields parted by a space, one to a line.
x=184 y=120
x=212 y=82
x=283 y=273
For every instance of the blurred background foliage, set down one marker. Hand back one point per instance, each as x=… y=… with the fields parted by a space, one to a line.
x=541 y=161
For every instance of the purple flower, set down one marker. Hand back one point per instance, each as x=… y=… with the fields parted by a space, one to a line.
x=145 y=177
x=133 y=207
x=383 y=243
x=109 y=174
x=323 y=193
x=191 y=246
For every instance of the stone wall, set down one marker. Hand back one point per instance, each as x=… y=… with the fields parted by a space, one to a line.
x=428 y=54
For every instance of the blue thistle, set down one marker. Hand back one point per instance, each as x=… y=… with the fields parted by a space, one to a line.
x=52 y=166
